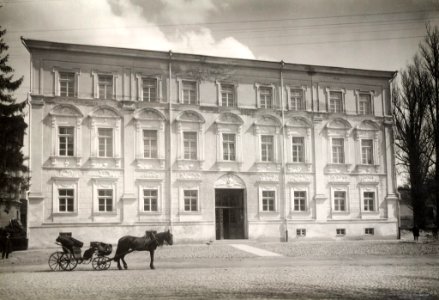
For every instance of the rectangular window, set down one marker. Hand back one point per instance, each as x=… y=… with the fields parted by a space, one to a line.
x=190 y=200
x=149 y=89
x=150 y=200
x=266 y=97
x=66 y=141
x=66 y=84
x=267 y=148
x=149 y=143
x=268 y=200
x=301 y=232
x=298 y=149
x=367 y=152
x=105 y=137
x=227 y=95
x=338 y=151
x=341 y=231
x=105 y=200
x=229 y=146
x=296 y=99
x=339 y=201
x=189 y=92
x=105 y=83
x=66 y=198
x=190 y=145
x=299 y=200
x=369 y=201
x=369 y=231
x=335 y=102
x=365 y=104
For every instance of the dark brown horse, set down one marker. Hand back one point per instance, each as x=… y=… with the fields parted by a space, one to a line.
x=128 y=244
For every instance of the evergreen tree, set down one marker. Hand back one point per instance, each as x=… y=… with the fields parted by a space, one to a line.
x=13 y=172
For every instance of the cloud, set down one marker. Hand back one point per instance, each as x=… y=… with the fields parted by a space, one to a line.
x=187 y=11
x=123 y=24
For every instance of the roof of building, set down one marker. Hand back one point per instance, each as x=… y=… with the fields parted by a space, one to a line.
x=32 y=45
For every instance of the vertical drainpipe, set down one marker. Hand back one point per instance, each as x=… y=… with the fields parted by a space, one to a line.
x=284 y=193
x=170 y=142
x=313 y=153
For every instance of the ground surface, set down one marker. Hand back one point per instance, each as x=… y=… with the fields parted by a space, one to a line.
x=306 y=270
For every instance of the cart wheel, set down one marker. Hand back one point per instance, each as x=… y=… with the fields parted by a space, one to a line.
x=101 y=263
x=55 y=261
x=68 y=262
x=105 y=263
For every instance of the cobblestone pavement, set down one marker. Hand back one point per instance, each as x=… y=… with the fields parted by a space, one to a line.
x=218 y=271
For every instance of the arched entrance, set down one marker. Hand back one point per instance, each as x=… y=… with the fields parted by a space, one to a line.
x=230 y=216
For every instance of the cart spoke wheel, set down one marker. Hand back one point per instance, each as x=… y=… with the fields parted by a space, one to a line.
x=68 y=262
x=101 y=263
x=55 y=261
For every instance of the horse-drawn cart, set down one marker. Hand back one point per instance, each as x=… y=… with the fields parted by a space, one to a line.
x=71 y=256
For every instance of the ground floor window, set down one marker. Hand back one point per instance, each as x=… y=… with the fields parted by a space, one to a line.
x=105 y=200
x=150 y=200
x=268 y=200
x=66 y=200
x=190 y=200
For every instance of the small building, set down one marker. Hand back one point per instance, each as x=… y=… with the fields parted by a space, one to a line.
x=125 y=140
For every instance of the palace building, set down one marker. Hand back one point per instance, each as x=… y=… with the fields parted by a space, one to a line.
x=123 y=141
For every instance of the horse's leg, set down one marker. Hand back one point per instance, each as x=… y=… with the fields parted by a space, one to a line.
x=118 y=263
x=124 y=262
x=151 y=264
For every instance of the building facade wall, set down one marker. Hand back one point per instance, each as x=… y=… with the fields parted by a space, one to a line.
x=127 y=172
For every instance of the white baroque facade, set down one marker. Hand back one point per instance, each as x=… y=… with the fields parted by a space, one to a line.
x=125 y=140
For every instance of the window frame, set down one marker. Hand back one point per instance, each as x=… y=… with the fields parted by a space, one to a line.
x=67 y=183
x=367 y=158
x=345 y=190
x=272 y=189
x=268 y=87
x=371 y=95
x=193 y=148
x=69 y=141
x=153 y=155
x=112 y=142
x=149 y=184
x=72 y=80
x=104 y=184
x=342 y=153
x=329 y=97
x=109 y=95
x=105 y=197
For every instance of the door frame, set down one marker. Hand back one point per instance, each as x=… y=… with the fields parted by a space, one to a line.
x=244 y=211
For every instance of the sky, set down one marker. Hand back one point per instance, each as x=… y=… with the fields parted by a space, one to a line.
x=366 y=34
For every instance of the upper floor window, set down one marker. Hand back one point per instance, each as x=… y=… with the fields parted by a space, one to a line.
x=105 y=200
x=67 y=84
x=228 y=95
x=335 y=102
x=150 y=143
x=296 y=99
x=189 y=92
x=268 y=200
x=229 y=146
x=66 y=141
x=338 y=156
x=367 y=152
x=298 y=149
x=149 y=89
x=267 y=148
x=190 y=145
x=266 y=97
x=190 y=200
x=339 y=200
x=105 y=139
x=364 y=104
x=150 y=200
x=66 y=200
x=105 y=85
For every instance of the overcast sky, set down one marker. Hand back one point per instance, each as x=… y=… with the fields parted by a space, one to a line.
x=368 y=34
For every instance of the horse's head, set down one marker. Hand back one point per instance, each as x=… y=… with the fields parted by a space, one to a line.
x=169 y=237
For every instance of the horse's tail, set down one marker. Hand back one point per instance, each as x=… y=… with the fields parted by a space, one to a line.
x=121 y=248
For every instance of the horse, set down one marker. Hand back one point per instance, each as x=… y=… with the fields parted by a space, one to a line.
x=149 y=242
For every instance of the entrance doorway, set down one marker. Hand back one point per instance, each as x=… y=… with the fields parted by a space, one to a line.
x=229 y=214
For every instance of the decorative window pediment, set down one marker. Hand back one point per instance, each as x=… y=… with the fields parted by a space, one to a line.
x=66 y=120
x=190 y=128
x=150 y=138
x=367 y=142
x=229 y=146
x=105 y=120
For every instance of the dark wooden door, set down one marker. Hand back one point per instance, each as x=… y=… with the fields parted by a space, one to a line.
x=229 y=214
